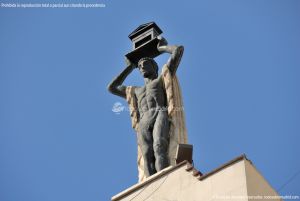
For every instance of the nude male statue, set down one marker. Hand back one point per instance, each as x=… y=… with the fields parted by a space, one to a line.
x=154 y=125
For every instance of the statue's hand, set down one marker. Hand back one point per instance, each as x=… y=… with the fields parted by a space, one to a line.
x=162 y=41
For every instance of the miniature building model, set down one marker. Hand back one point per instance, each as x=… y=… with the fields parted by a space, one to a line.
x=144 y=42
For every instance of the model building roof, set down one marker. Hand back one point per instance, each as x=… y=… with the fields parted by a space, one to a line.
x=144 y=27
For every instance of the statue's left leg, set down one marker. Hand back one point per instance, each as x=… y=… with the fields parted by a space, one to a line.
x=161 y=140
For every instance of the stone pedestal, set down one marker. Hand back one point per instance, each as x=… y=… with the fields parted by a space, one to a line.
x=236 y=180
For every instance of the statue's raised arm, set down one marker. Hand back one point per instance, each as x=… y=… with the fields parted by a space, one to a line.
x=116 y=86
x=175 y=51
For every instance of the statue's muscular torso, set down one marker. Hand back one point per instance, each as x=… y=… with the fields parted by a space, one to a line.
x=151 y=100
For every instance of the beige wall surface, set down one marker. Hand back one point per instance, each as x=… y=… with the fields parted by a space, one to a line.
x=235 y=182
x=257 y=186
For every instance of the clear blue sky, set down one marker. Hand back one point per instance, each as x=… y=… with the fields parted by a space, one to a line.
x=60 y=140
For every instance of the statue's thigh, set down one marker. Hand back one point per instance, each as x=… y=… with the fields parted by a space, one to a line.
x=144 y=135
x=161 y=129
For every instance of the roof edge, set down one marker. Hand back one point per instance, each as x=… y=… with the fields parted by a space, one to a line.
x=229 y=163
x=169 y=169
x=139 y=30
x=149 y=180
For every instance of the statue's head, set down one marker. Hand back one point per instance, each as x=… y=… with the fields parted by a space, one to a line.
x=148 y=67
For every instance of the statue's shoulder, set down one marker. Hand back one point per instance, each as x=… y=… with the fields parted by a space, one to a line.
x=134 y=90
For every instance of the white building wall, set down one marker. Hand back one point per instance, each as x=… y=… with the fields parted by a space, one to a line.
x=237 y=182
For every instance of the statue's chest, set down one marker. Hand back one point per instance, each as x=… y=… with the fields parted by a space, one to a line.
x=152 y=90
x=154 y=86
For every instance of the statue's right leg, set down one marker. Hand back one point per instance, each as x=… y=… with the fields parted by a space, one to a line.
x=161 y=140
x=145 y=140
